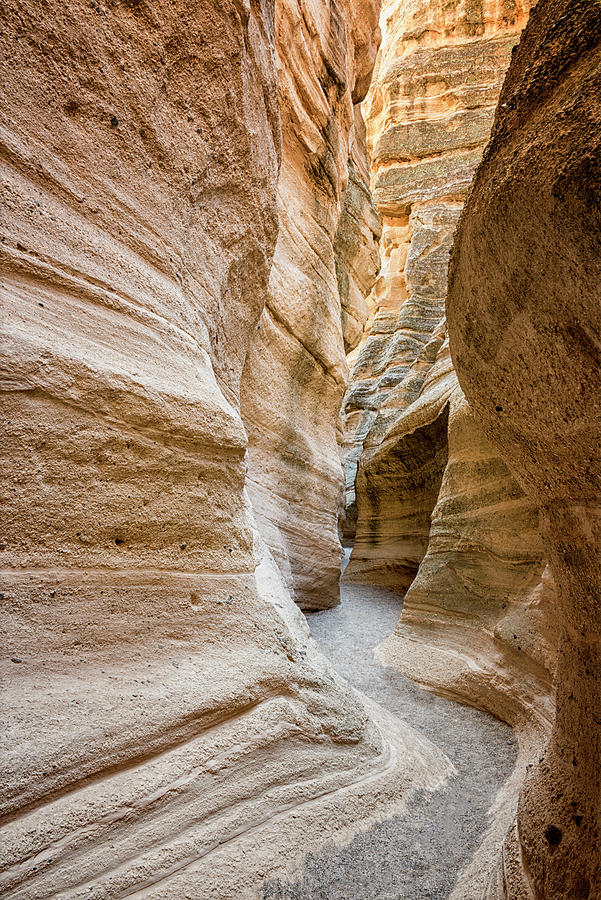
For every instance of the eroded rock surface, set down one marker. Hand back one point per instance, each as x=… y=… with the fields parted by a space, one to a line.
x=525 y=321
x=296 y=371
x=356 y=245
x=439 y=515
x=428 y=115
x=169 y=727
x=432 y=494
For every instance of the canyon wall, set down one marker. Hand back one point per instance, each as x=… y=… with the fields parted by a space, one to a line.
x=169 y=727
x=525 y=322
x=356 y=247
x=428 y=114
x=296 y=372
x=439 y=516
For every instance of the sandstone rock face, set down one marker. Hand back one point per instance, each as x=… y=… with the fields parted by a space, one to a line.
x=477 y=622
x=356 y=245
x=296 y=371
x=439 y=515
x=428 y=114
x=525 y=321
x=169 y=728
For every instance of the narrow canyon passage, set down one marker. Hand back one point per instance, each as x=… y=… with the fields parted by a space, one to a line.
x=273 y=271
x=416 y=856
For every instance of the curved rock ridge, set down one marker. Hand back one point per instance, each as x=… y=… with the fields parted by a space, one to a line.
x=439 y=515
x=169 y=727
x=524 y=298
x=477 y=622
x=296 y=371
x=357 y=238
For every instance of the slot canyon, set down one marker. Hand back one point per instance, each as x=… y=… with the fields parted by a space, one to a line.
x=301 y=456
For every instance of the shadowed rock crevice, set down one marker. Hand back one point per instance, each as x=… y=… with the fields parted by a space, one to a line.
x=392 y=542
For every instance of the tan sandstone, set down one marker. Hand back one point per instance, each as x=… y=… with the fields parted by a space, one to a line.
x=439 y=515
x=296 y=372
x=169 y=727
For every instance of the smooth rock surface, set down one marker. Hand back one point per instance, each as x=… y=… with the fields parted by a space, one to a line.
x=438 y=513
x=296 y=371
x=532 y=305
x=170 y=730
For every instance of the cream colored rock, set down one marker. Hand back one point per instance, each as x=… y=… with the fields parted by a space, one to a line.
x=356 y=245
x=477 y=622
x=169 y=728
x=296 y=372
x=525 y=323
x=428 y=115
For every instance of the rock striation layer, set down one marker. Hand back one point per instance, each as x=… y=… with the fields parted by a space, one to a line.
x=428 y=114
x=439 y=515
x=169 y=727
x=296 y=373
x=524 y=297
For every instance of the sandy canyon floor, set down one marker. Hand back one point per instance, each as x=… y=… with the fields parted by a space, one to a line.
x=416 y=856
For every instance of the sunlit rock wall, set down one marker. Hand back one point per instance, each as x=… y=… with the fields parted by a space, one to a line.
x=525 y=323
x=357 y=267
x=356 y=246
x=169 y=729
x=439 y=515
x=428 y=114
x=296 y=371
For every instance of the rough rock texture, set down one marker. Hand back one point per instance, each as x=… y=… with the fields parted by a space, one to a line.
x=357 y=267
x=296 y=372
x=428 y=114
x=356 y=245
x=524 y=298
x=439 y=514
x=169 y=728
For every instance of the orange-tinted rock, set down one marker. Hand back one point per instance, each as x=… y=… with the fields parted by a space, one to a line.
x=296 y=371
x=428 y=114
x=439 y=515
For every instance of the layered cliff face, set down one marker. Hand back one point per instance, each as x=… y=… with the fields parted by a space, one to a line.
x=524 y=298
x=428 y=114
x=356 y=247
x=296 y=371
x=170 y=729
